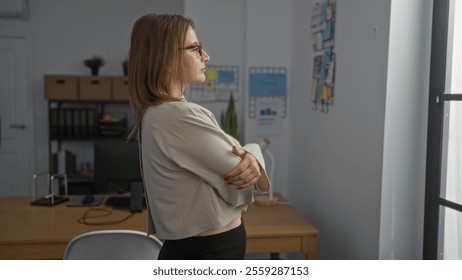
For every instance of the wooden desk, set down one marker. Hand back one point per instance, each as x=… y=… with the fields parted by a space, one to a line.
x=41 y=232
x=279 y=228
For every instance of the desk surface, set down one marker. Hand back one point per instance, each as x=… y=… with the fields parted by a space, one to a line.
x=42 y=232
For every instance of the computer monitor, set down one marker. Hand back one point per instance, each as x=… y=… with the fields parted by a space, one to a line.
x=117 y=166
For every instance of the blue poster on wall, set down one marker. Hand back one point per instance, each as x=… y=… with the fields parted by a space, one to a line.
x=268 y=98
x=267 y=84
x=221 y=81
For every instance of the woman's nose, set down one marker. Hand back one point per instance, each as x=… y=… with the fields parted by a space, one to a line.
x=206 y=56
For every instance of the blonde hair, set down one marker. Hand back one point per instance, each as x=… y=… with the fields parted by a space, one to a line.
x=154 y=61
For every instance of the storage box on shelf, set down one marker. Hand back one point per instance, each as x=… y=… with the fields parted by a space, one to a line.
x=95 y=88
x=86 y=88
x=61 y=87
x=120 y=88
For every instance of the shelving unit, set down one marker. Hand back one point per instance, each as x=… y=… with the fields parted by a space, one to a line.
x=78 y=113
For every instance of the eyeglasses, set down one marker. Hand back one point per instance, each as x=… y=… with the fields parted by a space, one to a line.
x=197 y=47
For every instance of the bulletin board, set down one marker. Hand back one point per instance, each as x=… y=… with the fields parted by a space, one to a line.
x=323 y=35
x=268 y=98
x=220 y=82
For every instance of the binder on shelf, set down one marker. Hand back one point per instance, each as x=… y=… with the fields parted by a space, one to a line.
x=91 y=123
x=65 y=162
x=61 y=162
x=54 y=163
x=69 y=122
x=83 y=123
x=76 y=123
x=54 y=126
x=61 y=123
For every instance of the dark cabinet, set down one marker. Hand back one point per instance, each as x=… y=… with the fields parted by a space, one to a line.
x=82 y=111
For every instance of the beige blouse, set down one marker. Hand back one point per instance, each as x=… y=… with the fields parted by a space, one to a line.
x=185 y=155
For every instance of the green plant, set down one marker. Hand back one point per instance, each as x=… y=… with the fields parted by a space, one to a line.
x=230 y=119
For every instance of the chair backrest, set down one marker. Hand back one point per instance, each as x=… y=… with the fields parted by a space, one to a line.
x=113 y=245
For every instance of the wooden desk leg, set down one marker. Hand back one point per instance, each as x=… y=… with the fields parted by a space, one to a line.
x=275 y=256
x=309 y=247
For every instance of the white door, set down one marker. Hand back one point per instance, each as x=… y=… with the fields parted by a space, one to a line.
x=16 y=154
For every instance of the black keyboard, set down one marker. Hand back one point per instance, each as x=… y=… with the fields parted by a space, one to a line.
x=120 y=201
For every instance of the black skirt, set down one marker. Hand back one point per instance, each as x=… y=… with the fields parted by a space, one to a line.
x=229 y=245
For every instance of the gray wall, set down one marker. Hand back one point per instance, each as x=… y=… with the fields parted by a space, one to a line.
x=336 y=158
x=358 y=171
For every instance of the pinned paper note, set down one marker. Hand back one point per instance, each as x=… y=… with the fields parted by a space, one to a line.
x=212 y=75
x=220 y=82
x=323 y=32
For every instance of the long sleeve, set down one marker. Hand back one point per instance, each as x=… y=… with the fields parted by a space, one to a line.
x=198 y=144
x=263 y=184
x=185 y=158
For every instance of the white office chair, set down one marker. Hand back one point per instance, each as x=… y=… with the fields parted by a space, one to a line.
x=113 y=245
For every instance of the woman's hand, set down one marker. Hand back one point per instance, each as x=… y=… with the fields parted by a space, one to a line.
x=246 y=173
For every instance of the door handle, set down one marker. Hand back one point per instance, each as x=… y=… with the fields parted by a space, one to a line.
x=18 y=126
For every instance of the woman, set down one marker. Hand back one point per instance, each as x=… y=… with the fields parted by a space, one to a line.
x=198 y=179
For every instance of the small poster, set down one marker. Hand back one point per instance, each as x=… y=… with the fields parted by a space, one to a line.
x=268 y=98
x=220 y=82
x=323 y=31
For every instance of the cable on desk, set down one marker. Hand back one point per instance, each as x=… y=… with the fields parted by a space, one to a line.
x=86 y=217
x=284 y=202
